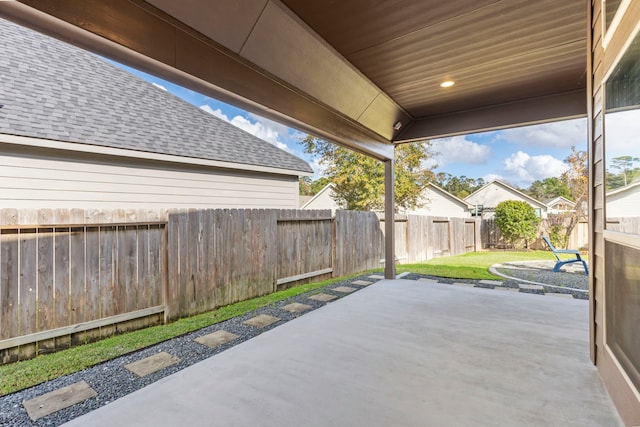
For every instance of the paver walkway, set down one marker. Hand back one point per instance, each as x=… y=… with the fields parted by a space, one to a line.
x=401 y=353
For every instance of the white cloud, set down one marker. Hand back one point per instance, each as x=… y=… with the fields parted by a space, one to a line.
x=458 y=149
x=564 y=134
x=318 y=168
x=159 y=86
x=264 y=129
x=491 y=177
x=523 y=169
x=218 y=112
x=622 y=134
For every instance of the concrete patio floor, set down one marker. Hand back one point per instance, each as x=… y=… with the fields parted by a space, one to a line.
x=398 y=353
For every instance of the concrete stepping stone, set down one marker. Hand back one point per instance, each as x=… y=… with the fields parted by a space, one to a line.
x=361 y=282
x=559 y=295
x=152 y=364
x=344 y=289
x=376 y=277
x=56 y=400
x=296 y=307
x=531 y=287
x=323 y=297
x=217 y=338
x=491 y=282
x=262 y=320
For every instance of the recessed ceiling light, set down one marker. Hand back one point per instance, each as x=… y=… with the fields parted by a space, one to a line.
x=447 y=83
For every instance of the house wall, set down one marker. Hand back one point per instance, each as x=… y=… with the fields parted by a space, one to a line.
x=435 y=203
x=624 y=204
x=601 y=60
x=40 y=178
x=491 y=195
x=323 y=200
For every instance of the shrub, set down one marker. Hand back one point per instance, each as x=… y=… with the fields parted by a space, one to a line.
x=517 y=221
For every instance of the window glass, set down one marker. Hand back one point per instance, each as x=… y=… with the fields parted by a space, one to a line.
x=622 y=143
x=611 y=6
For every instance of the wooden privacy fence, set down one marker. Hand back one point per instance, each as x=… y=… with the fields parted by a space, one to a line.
x=492 y=238
x=73 y=276
x=420 y=238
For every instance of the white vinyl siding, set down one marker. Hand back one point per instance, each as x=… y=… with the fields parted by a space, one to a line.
x=435 y=203
x=624 y=203
x=57 y=180
x=492 y=194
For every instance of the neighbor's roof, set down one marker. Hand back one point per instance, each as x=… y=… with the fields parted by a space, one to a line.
x=508 y=187
x=449 y=195
x=623 y=189
x=51 y=90
x=559 y=199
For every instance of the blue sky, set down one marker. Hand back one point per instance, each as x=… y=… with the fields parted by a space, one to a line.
x=518 y=156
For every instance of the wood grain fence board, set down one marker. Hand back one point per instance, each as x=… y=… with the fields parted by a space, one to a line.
x=77 y=289
x=143 y=268
x=208 y=263
x=183 y=261
x=172 y=301
x=203 y=293
x=45 y=300
x=62 y=302
x=93 y=308
x=9 y=284
x=107 y=277
x=28 y=247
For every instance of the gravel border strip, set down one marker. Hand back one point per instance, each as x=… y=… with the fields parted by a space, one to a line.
x=507 y=283
x=112 y=381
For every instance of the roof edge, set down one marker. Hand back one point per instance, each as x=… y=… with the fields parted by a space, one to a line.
x=121 y=152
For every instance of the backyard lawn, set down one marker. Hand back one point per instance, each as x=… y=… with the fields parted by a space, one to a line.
x=472 y=265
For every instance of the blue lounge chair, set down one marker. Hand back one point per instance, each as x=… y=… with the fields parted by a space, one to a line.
x=562 y=262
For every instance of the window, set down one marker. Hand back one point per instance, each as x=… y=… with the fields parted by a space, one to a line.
x=610 y=7
x=622 y=209
x=622 y=139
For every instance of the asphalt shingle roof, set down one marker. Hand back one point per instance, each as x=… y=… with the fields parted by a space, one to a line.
x=52 y=90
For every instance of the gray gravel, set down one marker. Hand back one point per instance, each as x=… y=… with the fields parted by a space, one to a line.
x=571 y=277
x=112 y=381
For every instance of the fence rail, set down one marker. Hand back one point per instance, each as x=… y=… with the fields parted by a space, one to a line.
x=73 y=276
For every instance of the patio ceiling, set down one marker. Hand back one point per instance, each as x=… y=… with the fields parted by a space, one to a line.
x=348 y=70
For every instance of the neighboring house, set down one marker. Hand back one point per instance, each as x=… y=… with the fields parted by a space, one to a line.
x=624 y=202
x=303 y=199
x=435 y=202
x=560 y=205
x=77 y=131
x=324 y=199
x=438 y=202
x=487 y=198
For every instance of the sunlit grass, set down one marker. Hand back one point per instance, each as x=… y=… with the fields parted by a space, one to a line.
x=472 y=265
x=20 y=375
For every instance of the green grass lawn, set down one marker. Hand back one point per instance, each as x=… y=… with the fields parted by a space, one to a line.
x=20 y=375
x=472 y=265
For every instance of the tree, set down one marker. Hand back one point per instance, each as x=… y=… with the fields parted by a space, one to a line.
x=460 y=187
x=304 y=186
x=576 y=178
x=517 y=221
x=359 y=179
x=549 y=188
x=625 y=164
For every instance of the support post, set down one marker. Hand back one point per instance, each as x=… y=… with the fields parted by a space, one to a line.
x=389 y=222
